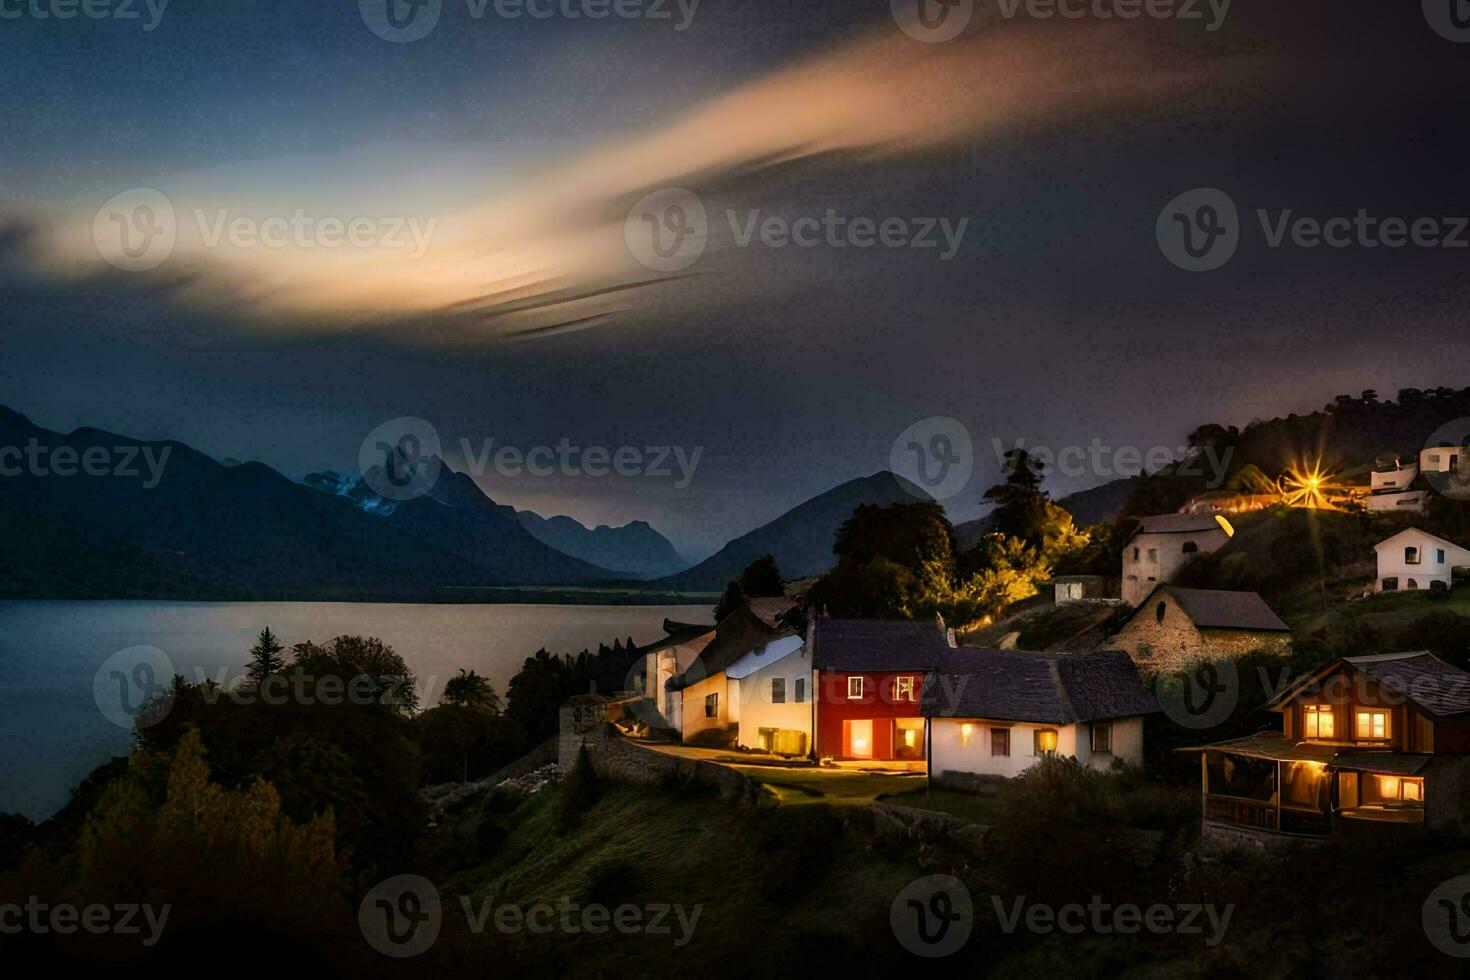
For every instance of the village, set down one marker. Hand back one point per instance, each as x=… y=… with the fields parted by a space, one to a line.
x=1376 y=743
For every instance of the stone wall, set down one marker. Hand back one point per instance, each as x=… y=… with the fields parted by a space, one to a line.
x=1175 y=643
x=619 y=759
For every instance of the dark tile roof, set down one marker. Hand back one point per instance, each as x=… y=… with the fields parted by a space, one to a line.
x=678 y=633
x=1221 y=609
x=1389 y=763
x=738 y=634
x=1049 y=688
x=1422 y=678
x=1177 y=524
x=1272 y=745
x=877 y=645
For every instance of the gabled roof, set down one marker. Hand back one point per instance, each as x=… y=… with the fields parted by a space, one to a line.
x=1417 y=676
x=1048 y=688
x=1277 y=747
x=679 y=633
x=1220 y=609
x=876 y=645
x=738 y=633
x=1177 y=524
x=1422 y=533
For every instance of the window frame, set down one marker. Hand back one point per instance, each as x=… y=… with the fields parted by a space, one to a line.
x=712 y=705
x=1000 y=738
x=905 y=682
x=1312 y=715
x=778 y=694
x=799 y=690
x=1358 y=715
x=1105 y=729
x=1413 y=555
x=855 y=688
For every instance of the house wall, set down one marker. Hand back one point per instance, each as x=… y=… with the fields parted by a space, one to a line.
x=1442 y=459
x=1447 y=794
x=1176 y=642
x=758 y=711
x=669 y=662
x=693 y=721
x=1160 y=556
x=1392 y=562
x=876 y=705
x=1408 y=729
x=950 y=754
x=1408 y=502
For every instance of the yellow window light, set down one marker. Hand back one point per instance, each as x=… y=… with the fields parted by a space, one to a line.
x=1048 y=741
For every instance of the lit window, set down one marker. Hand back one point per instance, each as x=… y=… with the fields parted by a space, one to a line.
x=1102 y=737
x=1372 y=725
x=1000 y=741
x=1317 y=720
x=800 y=690
x=1413 y=791
x=778 y=690
x=712 y=706
x=854 y=688
x=966 y=730
x=903 y=689
x=1046 y=741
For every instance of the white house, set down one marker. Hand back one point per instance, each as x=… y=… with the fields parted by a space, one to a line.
x=775 y=687
x=1161 y=546
x=995 y=713
x=668 y=658
x=1444 y=458
x=1415 y=559
x=704 y=698
x=1391 y=487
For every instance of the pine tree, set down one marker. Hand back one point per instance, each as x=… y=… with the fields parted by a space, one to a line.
x=265 y=658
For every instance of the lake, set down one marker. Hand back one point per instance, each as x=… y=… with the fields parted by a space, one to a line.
x=53 y=732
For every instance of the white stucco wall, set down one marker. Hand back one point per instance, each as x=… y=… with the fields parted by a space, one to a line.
x=1408 y=502
x=1392 y=562
x=949 y=754
x=753 y=688
x=1160 y=556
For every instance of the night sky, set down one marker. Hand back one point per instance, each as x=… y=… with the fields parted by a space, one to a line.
x=1058 y=320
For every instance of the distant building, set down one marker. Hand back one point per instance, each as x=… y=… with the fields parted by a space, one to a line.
x=1161 y=546
x=1415 y=559
x=1174 y=627
x=1444 y=458
x=995 y=713
x=1391 y=488
x=703 y=699
x=1067 y=589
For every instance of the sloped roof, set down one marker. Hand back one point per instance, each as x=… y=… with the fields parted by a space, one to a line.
x=1177 y=524
x=1422 y=678
x=738 y=634
x=678 y=633
x=1419 y=531
x=1272 y=745
x=1222 y=609
x=875 y=645
x=1048 y=688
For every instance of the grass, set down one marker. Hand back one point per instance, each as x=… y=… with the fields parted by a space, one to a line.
x=974 y=807
x=842 y=787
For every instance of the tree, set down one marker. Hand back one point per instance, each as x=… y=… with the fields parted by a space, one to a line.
x=762 y=578
x=1019 y=500
x=732 y=599
x=535 y=694
x=894 y=562
x=469 y=689
x=359 y=661
x=265 y=658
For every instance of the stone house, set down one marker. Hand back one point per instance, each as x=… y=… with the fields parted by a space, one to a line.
x=1174 y=627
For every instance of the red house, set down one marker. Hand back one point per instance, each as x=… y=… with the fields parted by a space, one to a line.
x=870 y=675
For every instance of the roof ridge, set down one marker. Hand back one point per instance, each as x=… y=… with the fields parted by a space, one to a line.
x=1054 y=667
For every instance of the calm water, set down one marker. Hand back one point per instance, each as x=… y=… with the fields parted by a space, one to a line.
x=52 y=732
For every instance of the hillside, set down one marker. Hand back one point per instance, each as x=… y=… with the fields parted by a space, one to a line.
x=634 y=549
x=800 y=540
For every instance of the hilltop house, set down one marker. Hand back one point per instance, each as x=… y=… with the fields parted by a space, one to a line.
x=1391 y=486
x=1069 y=589
x=993 y=713
x=1415 y=559
x=869 y=677
x=701 y=698
x=1365 y=740
x=1175 y=626
x=1161 y=546
x=668 y=658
